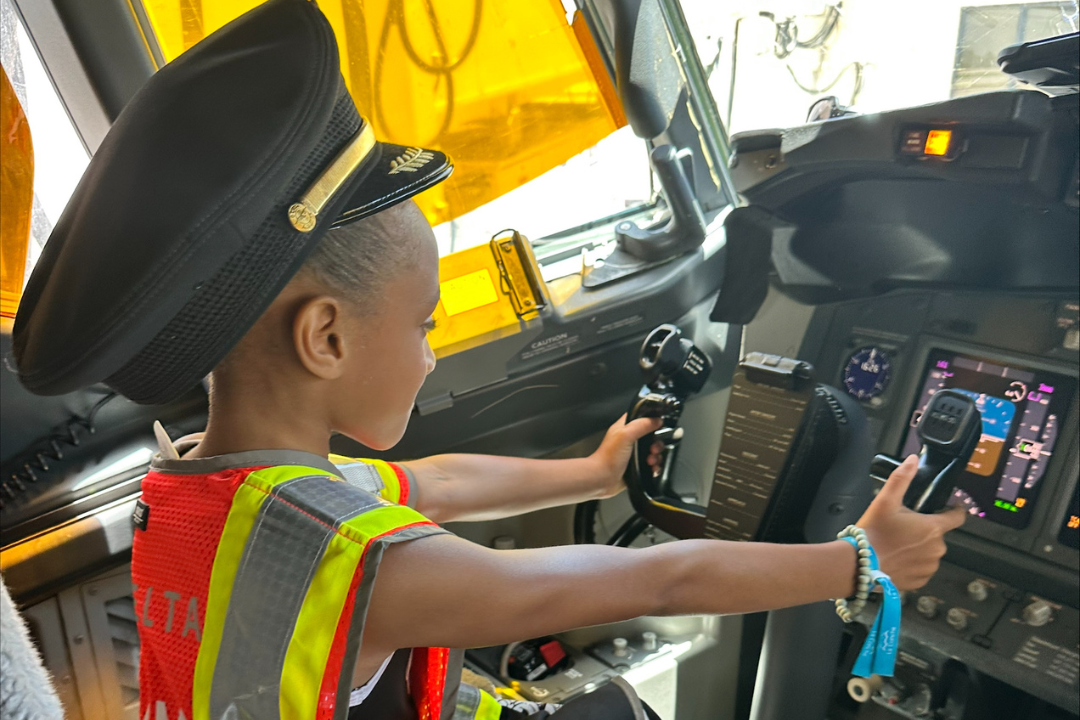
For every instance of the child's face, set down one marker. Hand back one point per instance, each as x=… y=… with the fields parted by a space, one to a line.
x=393 y=357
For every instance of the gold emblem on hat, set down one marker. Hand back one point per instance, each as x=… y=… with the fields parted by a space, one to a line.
x=410 y=161
x=301 y=217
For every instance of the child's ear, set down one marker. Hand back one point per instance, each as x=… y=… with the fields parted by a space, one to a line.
x=318 y=337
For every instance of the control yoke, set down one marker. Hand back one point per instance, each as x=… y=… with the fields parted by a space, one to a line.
x=949 y=430
x=674 y=370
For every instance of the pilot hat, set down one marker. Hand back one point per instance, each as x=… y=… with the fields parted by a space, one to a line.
x=209 y=192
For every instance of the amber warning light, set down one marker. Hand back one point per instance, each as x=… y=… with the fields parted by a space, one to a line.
x=938 y=142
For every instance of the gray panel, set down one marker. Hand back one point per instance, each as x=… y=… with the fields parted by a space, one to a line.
x=47 y=630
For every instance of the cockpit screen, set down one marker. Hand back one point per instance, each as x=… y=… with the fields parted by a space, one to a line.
x=1022 y=413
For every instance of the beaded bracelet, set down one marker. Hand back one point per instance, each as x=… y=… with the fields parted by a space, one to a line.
x=857 y=537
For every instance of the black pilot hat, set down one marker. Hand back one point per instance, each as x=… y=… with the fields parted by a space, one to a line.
x=213 y=186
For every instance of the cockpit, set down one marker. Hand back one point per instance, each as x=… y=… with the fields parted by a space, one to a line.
x=809 y=239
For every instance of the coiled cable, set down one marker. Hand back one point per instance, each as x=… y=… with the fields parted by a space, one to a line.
x=24 y=468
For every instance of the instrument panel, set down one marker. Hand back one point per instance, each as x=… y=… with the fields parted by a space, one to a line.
x=1004 y=602
x=1022 y=414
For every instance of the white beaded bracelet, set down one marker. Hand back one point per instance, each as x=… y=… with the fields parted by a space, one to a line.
x=845 y=609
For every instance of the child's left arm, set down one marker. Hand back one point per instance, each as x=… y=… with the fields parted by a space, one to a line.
x=486 y=487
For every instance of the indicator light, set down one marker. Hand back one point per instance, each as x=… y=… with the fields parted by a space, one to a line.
x=938 y=142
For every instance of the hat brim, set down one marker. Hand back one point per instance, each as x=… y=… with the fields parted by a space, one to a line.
x=392 y=175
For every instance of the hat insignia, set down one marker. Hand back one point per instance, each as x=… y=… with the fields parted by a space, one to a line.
x=410 y=161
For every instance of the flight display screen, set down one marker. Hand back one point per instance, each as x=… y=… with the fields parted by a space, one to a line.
x=1022 y=414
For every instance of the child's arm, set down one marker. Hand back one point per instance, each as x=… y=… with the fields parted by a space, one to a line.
x=444 y=591
x=486 y=487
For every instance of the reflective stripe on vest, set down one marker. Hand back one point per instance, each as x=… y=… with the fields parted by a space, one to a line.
x=475 y=704
x=291 y=580
x=387 y=480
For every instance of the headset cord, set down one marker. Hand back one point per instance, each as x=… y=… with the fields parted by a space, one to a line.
x=26 y=466
x=395 y=16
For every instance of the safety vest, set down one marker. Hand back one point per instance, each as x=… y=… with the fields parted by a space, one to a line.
x=253 y=573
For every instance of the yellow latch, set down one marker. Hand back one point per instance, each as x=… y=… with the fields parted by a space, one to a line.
x=487 y=293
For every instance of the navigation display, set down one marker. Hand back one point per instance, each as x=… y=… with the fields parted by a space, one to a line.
x=1022 y=413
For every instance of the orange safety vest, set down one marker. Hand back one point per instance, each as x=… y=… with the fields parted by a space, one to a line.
x=253 y=573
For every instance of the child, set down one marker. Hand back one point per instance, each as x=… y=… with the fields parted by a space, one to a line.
x=273 y=582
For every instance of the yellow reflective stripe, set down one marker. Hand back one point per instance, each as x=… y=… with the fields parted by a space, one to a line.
x=313 y=635
x=489 y=708
x=392 y=493
x=267 y=478
x=247 y=501
x=379 y=521
x=245 y=508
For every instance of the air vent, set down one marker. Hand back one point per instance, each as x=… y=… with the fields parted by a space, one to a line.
x=111 y=620
x=125 y=649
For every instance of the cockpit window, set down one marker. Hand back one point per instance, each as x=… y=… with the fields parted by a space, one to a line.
x=768 y=62
x=516 y=93
x=58 y=156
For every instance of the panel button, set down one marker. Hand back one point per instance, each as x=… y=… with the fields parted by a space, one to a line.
x=913 y=142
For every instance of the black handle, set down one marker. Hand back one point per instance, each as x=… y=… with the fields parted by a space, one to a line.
x=674 y=369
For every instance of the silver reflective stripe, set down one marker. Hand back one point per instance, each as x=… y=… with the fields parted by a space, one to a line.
x=372 y=559
x=281 y=555
x=363 y=476
x=468 y=702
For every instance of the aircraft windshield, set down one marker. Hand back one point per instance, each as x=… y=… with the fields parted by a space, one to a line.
x=768 y=61
x=516 y=93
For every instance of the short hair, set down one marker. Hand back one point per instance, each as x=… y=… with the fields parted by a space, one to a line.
x=355 y=261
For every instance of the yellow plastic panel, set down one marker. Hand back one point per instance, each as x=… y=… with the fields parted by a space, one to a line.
x=503 y=87
x=474 y=306
x=16 y=196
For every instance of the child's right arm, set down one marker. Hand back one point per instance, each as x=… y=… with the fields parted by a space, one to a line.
x=447 y=592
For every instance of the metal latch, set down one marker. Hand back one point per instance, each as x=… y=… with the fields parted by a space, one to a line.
x=519 y=273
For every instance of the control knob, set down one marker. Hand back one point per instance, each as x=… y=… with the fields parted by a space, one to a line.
x=1038 y=613
x=957 y=619
x=620 y=647
x=927 y=606
x=977 y=590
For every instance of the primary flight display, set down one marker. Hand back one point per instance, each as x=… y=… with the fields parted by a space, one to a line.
x=1022 y=413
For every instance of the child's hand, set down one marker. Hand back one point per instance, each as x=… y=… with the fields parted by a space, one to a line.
x=614 y=452
x=909 y=545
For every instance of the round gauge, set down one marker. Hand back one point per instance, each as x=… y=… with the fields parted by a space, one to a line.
x=960 y=497
x=867 y=373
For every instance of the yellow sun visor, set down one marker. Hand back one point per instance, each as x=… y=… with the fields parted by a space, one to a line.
x=16 y=196
x=509 y=90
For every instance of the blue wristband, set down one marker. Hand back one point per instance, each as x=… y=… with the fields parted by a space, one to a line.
x=878 y=654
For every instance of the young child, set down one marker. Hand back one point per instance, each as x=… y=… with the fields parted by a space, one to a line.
x=270 y=580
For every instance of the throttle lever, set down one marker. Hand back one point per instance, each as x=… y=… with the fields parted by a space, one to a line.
x=949 y=430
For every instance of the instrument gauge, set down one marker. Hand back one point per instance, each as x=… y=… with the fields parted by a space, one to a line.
x=867 y=373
